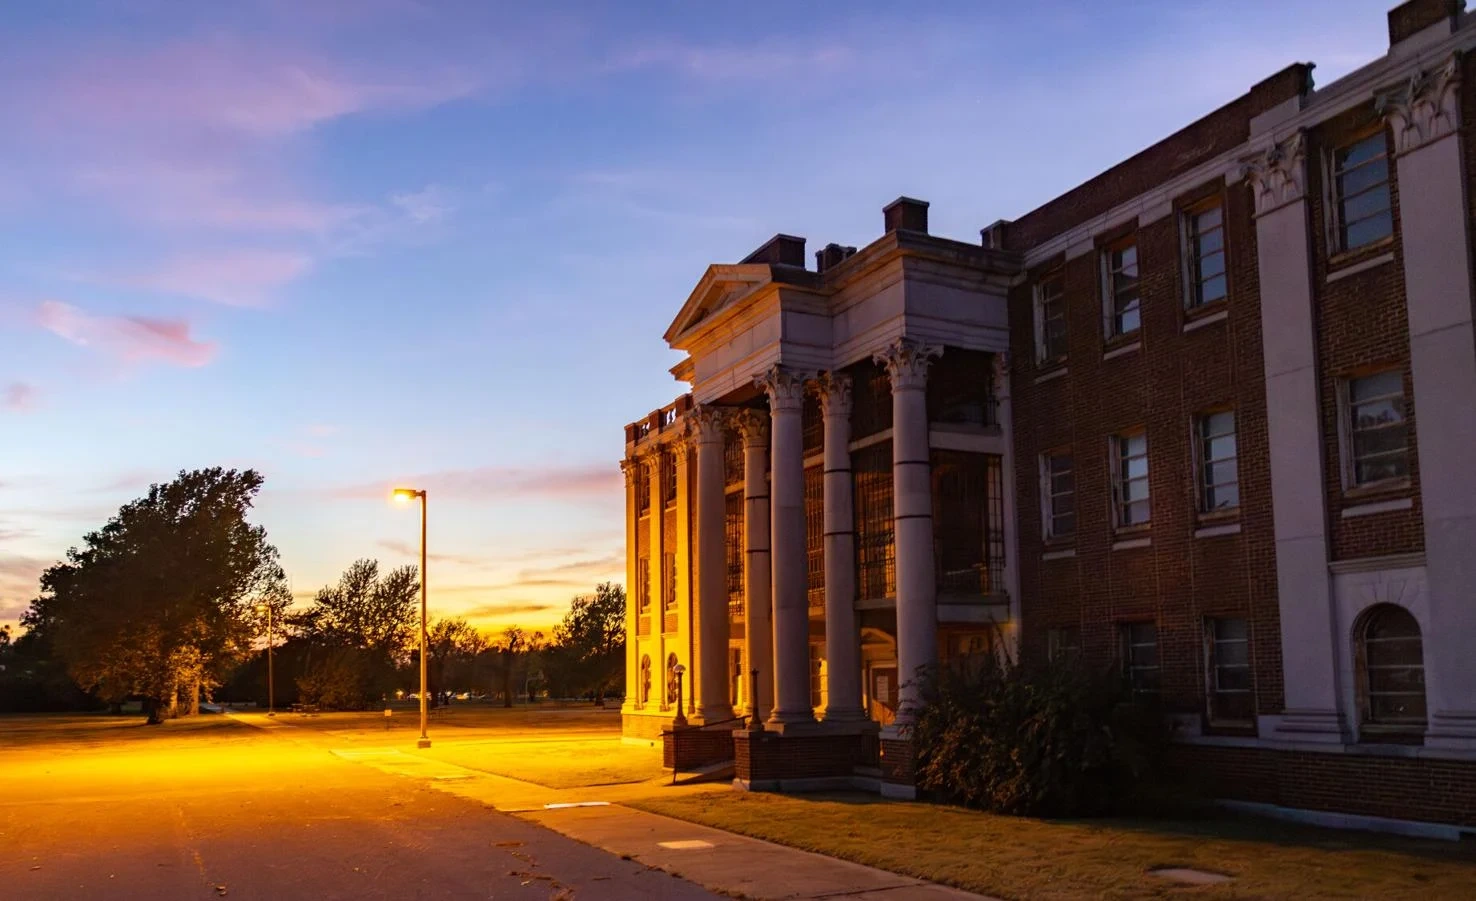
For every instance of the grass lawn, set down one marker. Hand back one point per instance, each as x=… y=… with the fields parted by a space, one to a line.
x=556 y=764
x=1012 y=857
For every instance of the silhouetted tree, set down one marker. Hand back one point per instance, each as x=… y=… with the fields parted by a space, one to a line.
x=159 y=601
x=592 y=640
x=453 y=646
x=357 y=631
x=514 y=648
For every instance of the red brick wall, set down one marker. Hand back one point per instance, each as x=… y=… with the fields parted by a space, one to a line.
x=769 y=756
x=1180 y=579
x=1362 y=323
x=1437 y=791
x=687 y=749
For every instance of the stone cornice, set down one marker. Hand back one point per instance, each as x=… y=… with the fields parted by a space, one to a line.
x=1426 y=107
x=834 y=391
x=1278 y=174
x=785 y=387
x=907 y=361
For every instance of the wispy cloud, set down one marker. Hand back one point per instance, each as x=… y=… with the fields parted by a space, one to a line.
x=127 y=339
x=429 y=205
x=20 y=397
x=242 y=277
x=578 y=482
x=502 y=611
x=410 y=551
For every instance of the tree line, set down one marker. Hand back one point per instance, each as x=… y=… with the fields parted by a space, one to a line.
x=170 y=601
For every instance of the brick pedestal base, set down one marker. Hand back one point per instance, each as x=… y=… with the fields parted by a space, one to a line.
x=768 y=761
x=897 y=780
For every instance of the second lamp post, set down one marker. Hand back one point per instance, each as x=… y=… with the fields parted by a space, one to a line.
x=405 y=495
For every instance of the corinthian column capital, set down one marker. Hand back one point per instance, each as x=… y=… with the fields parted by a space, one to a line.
x=630 y=466
x=651 y=460
x=754 y=426
x=785 y=387
x=1277 y=175
x=704 y=425
x=1425 y=108
x=907 y=361
x=834 y=391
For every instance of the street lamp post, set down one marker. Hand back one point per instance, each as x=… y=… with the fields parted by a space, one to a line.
x=271 y=674
x=681 y=717
x=404 y=495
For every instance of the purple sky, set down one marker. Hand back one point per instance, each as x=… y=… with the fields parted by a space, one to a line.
x=366 y=242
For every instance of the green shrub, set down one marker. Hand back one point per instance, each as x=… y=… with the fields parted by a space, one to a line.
x=1053 y=740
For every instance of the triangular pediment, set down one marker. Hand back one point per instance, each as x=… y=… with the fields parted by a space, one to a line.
x=722 y=286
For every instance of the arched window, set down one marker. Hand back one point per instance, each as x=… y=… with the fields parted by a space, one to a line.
x=671 y=679
x=645 y=687
x=1391 y=671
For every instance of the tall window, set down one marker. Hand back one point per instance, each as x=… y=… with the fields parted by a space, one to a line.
x=668 y=581
x=642 y=490
x=733 y=544
x=1064 y=643
x=1140 y=658
x=643 y=584
x=876 y=553
x=817 y=676
x=1204 y=238
x=1227 y=647
x=1392 y=670
x=1120 y=282
x=672 y=692
x=1058 y=494
x=814 y=491
x=1360 y=183
x=968 y=533
x=1377 y=435
x=1219 y=482
x=668 y=479
x=1050 y=319
x=1130 y=479
x=644 y=689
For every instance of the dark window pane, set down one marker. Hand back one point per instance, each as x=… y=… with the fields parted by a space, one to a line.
x=1380 y=384
x=1363 y=177
x=1362 y=206
x=1210 y=242
x=1211 y=264
x=1213 y=289
x=1364 y=150
x=1369 y=231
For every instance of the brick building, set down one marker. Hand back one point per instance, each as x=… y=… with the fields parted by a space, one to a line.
x=1204 y=415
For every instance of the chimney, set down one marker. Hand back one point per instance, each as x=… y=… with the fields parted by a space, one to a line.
x=906 y=214
x=832 y=254
x=1409 y=19
x=995 y=236
x=780 y=250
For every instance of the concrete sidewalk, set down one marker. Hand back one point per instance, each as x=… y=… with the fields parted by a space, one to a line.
x=721 y=861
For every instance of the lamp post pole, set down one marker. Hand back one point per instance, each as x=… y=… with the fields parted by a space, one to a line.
x=424 y=741
x=271 y=670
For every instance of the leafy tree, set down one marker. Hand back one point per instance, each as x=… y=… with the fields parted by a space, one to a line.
x=356 y=632
x=515 y=647
x=453 y=647
x=159 y=601
x=592 y=639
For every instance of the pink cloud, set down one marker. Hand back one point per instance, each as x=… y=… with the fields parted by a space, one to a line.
x=580 y=482
x=243 y=278
x=20 y=397
x=129 y=339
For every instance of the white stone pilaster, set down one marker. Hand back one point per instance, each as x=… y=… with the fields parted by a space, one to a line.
x=1309 y=650
x=754 y=425
x=786 y=391
x=657 y=638
x=1004 y=415
x=705 y=431
x=682 y=590
x=842 y=633
x=1424 y=115
x=907 y=363
x=632 y=644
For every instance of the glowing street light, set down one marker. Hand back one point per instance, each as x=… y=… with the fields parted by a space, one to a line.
x=271 y=675
x=404 y=496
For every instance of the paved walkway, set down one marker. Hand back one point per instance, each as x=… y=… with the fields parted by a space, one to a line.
x=721 y=861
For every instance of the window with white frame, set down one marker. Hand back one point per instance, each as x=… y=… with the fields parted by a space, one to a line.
x=1204 y=254
x=1140 y=658
x=1227 y=658
x=1360 y=193
x=1058 y=494
x=1130 y=479
x=1219 y=481
x=1120 y=289
x=1050 y=319
x=1376 y=430
x=1063 y=643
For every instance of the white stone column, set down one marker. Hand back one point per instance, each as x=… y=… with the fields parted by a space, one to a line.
x=1313 y=710
x=632 y=645
x=705 y=431
x=786 y=390
x=754 y=425
x=652 y=462
x=842 y=635
x=907 y=363
x=1434 y=230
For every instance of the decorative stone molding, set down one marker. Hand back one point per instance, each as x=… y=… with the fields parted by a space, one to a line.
x=907 y=361
x=1278 y=175
x=1001 y=363
x=753 y=425
x=785 y=387
x=1426 y=108
x=704 y=425
x=834 y=391
x=652 y=462
x=630 y=466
